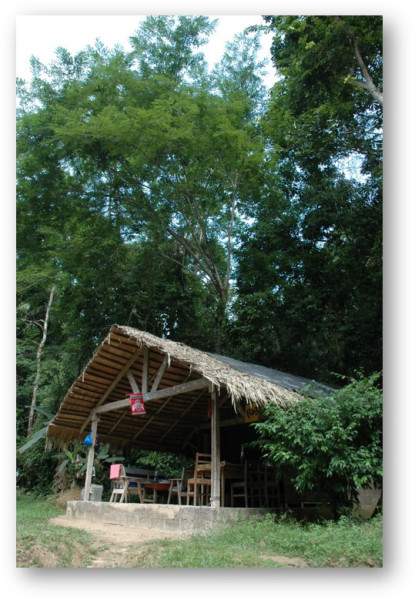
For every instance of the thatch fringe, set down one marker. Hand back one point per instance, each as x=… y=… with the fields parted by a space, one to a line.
x=240 y=386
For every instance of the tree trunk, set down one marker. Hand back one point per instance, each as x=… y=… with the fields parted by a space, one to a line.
x=38 y=359
x=220 y=320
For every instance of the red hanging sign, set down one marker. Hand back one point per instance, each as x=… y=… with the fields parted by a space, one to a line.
x=137 y=404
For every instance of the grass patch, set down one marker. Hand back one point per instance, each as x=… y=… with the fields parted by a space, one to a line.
x=254 y=543
x=274 y=544
x=39 y=544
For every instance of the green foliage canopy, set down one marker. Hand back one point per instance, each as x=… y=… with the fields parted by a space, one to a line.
x=310 y=264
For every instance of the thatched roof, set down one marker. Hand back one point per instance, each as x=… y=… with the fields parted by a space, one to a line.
x=157 y=366
x=284 y=380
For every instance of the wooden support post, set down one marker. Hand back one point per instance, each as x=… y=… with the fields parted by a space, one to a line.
x=215 y=445
x=91 y=456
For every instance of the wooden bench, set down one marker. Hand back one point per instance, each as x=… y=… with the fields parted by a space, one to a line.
x=144 y=475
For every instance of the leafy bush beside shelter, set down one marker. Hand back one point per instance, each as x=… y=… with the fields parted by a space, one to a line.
x=330 y=445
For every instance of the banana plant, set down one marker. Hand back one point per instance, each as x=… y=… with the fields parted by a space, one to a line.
x=74 y=461
x=38 y=435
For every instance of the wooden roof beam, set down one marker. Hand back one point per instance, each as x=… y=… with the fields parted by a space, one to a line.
x=116 y=381
x=173 y=425
x=118 y=421
x=182 y=388
x=160 y=373
x=144 y=376
x=149 y=421
x=169 y=398
x=133 y=383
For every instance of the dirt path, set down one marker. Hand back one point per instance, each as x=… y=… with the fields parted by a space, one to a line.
x=116 y=545
x=114 y=542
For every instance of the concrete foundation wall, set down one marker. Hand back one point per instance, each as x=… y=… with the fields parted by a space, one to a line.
x=190 y=519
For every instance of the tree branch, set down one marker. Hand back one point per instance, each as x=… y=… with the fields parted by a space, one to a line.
x=368 y=83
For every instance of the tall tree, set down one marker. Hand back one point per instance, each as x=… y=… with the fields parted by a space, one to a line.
x=134 y=171
x=165 y=149
x=310 y=264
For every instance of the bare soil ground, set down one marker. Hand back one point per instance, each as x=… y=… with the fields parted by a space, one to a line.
x=117 y=545
x=114 y=544
x=111 y=533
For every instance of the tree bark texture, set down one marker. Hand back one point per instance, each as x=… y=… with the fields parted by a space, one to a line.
x=38 y=360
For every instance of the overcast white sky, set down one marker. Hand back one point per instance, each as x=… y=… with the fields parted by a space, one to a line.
x=41 y=35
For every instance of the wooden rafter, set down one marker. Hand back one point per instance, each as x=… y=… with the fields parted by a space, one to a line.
x=118 y=421
x=173 y=425
x=160 y=373
x=133 y=383
x=182 y=388
x=144 y=377
x=115 y=382
x=164 y=405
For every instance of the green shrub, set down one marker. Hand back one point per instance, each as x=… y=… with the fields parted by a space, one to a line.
x=330 y=445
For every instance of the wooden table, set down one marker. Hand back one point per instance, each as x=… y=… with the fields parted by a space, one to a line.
x=155 y=488
x=228 y=470
x=162 y=487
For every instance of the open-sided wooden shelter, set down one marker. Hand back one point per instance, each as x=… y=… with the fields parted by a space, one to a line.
x=183 y=390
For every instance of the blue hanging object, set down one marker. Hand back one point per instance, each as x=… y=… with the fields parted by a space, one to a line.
x=88 y=440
